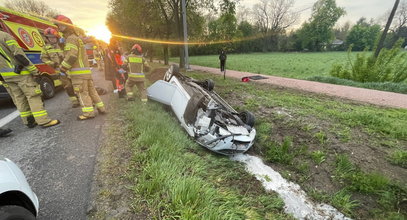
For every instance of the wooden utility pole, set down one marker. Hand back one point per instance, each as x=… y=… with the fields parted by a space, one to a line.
x=386 y=29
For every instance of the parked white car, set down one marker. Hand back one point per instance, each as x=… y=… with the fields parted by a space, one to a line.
x=17 y=200
x=206 y=117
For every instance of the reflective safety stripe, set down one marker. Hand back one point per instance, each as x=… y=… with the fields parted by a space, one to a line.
x=66 y=65
x=12 y=42
x=69 y=46
x=144 y=100
x=73 y=98
x=130 y=94
x=87 y=109
x=80 y=71
x=25 y=114
x=48 y=62
x=137 y=75
x=135 y=59
x=24 y=72
x=100 y=104
x=54 y=51
x=31 y=68
x=4 y=53
x=40 y=113
x=57 y=82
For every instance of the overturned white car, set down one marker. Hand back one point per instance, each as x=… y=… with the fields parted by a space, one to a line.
x=204 y=114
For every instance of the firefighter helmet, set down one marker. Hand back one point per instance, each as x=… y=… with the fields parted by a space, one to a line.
x=51 y=31
x=137 y=47
x=63 y=19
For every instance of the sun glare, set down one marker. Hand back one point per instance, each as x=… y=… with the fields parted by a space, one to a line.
x=101 y=33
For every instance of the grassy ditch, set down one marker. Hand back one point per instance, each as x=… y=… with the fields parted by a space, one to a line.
x=347 y=154
x=177 y=179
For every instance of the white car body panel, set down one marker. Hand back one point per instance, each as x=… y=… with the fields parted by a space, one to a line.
x=13 y=179
x=228 y=137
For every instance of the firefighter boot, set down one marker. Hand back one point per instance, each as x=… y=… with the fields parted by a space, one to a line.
x=4 y=132
x=51 y=123
x=31 y=122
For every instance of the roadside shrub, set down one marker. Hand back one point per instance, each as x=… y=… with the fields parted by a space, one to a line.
x=389 y=66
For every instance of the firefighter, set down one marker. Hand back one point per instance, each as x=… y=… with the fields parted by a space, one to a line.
x=53 y=56
x=98 y=58
x=76 y=62
x=136 y=65
x=21 y=79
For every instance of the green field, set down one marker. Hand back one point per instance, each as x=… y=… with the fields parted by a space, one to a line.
x=291 y=65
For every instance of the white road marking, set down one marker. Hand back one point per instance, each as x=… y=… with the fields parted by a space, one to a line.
x=9 y=118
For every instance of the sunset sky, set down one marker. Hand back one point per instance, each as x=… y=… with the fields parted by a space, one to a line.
x=91 y=14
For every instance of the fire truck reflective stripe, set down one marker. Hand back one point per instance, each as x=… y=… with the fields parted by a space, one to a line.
x=135 y=59
x=100 y=105
x=40 y=113
x=70 y=46
x=87 y=109
x=66 y=65
x=25 y=114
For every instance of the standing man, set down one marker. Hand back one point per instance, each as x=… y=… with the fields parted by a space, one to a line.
x=76 y=62
x=19 y=78
x=53 y=56
x=222 y=58
x=136 y=66
x=98 y=58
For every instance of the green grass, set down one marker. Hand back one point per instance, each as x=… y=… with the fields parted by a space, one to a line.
x=291 y=65
x=180 y=180
x=318 y=157
x=342 y=200
x=399 y=157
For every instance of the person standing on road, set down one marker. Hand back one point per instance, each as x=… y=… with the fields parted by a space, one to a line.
x=98 y=58
x=53 y=56
x=76 y=62
x=136 y=65
x=20 y=79
x=222 y=58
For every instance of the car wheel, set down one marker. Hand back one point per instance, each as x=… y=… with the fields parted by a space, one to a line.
x=12 y=212
x=47 y=87
x=174 y=69
x=248 y=118
x=209 y=84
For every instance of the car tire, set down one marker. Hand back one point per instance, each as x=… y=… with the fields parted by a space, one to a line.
x=247 y=118
x=47 y=87
x=173 y=70
x=12 y=212
x=209 y=84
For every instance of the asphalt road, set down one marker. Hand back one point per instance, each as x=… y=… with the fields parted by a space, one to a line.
x=59 y=161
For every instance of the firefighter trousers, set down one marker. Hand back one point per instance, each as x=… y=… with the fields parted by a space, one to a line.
x=130 y=83
x=87 y=95
x=67 y=84
x=26 y=95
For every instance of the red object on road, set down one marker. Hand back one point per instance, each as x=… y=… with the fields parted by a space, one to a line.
x=245 y=79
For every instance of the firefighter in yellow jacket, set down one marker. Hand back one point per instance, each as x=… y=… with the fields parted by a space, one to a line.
x=76 y=62
x=19 y=76
x=53 y=56
x=136 y=66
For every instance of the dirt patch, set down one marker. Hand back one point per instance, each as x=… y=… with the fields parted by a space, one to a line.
x=156 y=74
x=112 y=195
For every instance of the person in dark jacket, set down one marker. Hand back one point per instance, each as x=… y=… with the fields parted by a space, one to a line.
x=222 y=58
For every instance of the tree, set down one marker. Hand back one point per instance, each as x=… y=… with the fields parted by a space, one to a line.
x=363 y=35
x=273 y=17
x=318 y=32
x=33 y=7
x=342 y=32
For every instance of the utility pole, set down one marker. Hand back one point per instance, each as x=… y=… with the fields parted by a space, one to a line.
x=184 y=21
x=386 y=29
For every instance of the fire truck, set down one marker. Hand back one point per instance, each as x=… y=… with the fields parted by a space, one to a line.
x=29 y=33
